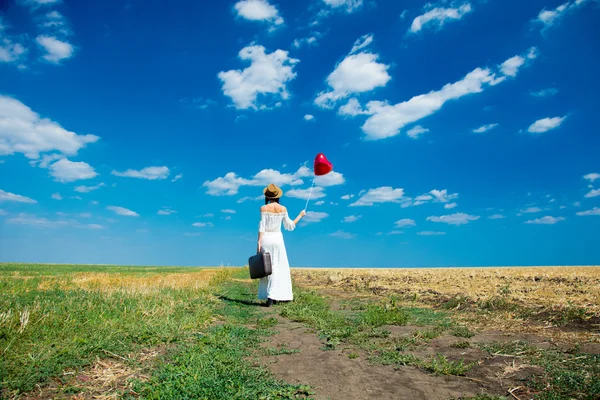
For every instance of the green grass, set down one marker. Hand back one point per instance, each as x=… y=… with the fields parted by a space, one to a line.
x=571 y=375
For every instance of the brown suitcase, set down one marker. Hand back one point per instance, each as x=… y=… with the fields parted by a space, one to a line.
x=260 y=265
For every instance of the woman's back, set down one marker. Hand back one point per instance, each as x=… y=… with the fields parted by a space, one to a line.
x=271 y=216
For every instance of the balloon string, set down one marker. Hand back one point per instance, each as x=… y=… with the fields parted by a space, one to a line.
x=310 y=193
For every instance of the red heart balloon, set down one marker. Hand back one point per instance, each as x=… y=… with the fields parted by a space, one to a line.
x=322 y=165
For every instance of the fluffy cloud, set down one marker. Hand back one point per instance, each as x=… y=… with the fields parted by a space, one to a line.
x=592 y=193
x=387 y=120
x=123 y=211
x=267 y=75
x=347 y=196
x=56 y=196
x=166 y=211
x=23 y=131
x=430 y=233
x=485 y=128
x=438 y=16
x=228 y=211
x=547 y=18
x=496 y=216
x=593 y=211
x=69 y=171
x=352 y=108
x=442 y=196
x=202 y=224
x=405 y=222
x=384 y=194
x=357 y=73
x=7 y=196
x=545 y=92
x=151 y=173
x=342 y=234
x=308 y=117
x=37 y=3
x=592 y=176
x=56 y=50
x=416 y=131
x=450 y=206
x=308 y=41
x=547 y=220
x=10 y=49
x=314 y=216
x=545 y=124
x=177 y=177
x=454 y=219
x=258 y=10
x=349 y=5
x=87 y=189
x=351 y=218
x=28 y=219
x=230 y=183
x=530 y=210
x=305 y=194
x=362 y=42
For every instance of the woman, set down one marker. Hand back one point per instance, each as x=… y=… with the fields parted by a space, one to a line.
x=278 y=285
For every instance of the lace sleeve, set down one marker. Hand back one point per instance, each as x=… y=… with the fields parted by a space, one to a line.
x=262 y=224
x=288 y=224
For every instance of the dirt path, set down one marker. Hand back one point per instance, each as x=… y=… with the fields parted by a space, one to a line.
x=335 y=375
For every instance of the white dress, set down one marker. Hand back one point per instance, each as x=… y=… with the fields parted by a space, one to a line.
x=278 y=285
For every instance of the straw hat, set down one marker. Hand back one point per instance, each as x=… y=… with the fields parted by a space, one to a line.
x=272 y=191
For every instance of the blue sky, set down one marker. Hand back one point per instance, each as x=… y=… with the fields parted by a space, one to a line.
x=461 y=133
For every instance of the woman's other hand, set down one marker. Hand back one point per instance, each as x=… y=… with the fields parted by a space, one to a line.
x=302 y=213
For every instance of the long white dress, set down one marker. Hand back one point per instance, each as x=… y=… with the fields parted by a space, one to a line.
x=278 y=285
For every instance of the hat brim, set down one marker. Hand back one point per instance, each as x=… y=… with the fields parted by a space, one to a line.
x=275 y=195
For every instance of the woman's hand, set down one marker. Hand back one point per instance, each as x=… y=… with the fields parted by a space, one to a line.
x=302 y=213
x=258 y=247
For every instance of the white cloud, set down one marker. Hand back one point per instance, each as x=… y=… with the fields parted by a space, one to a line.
x=123 y=211
x=87 y=189
x=349 y=5
x=430 y=233
x=319 y=203
x=151 y=173
x=438 y=16
x=23 y=131
x=331 y=179
x=442 y=196
x=27 y=219
x=56 y=196
x=352 y=108
x=362 y=42
x=166 y=211
x=547 y=18
x=357 y=73
x=314 y=216
x=485 y=128
x=351 y=218
x=227 y=185
x=309 y=41
x=450 y=206
x=545 y=92
x=56 y=50
x=592 y=176
x=267 y=75
x=308 y=117
x=382 y=194
x=202 y=224
x=64 y=170
x=454 y=219
x=387 y=120
x=95 y=226
x=305 y=194
x=545 y=124
x=267 y=176
x=10 y=49
x=228 y=211
x=511 y=66
x=7 y=196
x=177 y=177
x=257 y=198
x=496 y=216
x=593 y=211
x=416 y=131
x=592 y=193
x=405 y=222
x=342 y=234
x=530 y=210
x=37 y=3
x=347 y=196
x=258 y=10
x=547 y=220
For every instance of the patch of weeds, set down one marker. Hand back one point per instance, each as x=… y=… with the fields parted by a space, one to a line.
x=215 y=367
x=265 y=323
x=427 y=316
x=273 y=351
x=440 y=365
x=461 y=345
x=454 y=303
x=498 y=303
x=429 y=334
x=462 y=331
x=566 y=376
x=389 y=357
x=352 y=356
x=376 y=316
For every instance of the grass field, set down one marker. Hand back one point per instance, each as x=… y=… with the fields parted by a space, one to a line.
x=69 y=331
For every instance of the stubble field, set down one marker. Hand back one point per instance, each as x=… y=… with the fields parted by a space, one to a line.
x=83 y=332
